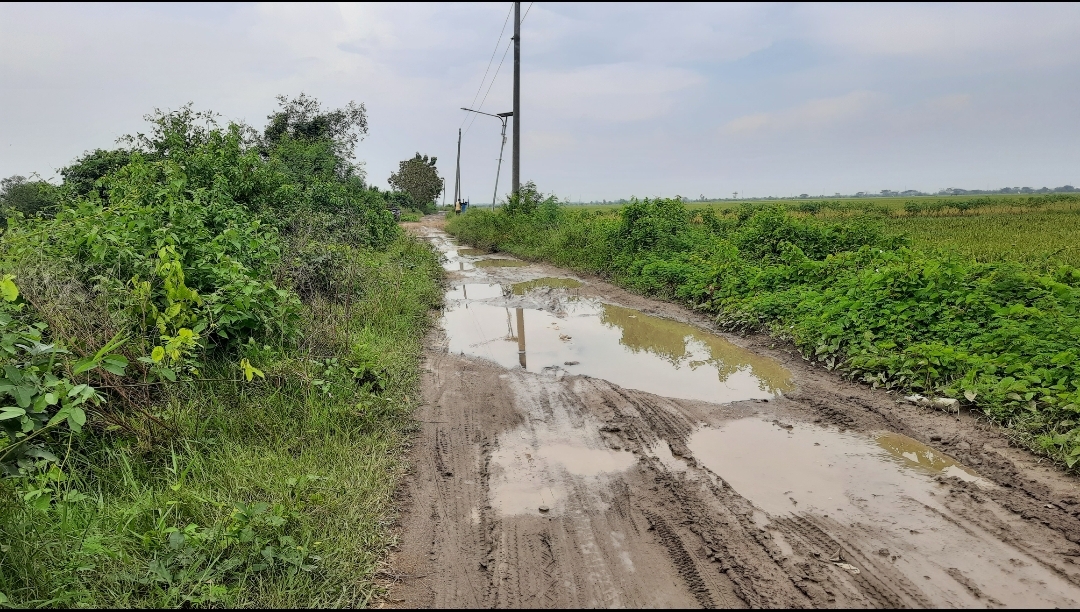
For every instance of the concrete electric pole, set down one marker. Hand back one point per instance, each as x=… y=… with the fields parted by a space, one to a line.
x=457 y=176
x=515 y=174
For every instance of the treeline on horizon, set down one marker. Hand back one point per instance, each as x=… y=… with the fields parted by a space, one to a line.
x=884 y=193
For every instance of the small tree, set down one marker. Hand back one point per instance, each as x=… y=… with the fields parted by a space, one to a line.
x=311 y=140
x=419 y=178
x=18 y=194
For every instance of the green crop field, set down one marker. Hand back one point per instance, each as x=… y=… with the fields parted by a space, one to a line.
x=1037 y=238
x=1040 y=231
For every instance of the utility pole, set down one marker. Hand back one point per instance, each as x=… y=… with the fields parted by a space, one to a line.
x=457 y=176
x=516 y=173
x=501 y=117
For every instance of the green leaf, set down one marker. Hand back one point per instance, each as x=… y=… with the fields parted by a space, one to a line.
x=23 y=395
x=43 y=502
x=157 y=354
x=115 y=364
x=167 y=373
x=11 y=412
x=84 y=365
x=76 y=419
x=8 y=289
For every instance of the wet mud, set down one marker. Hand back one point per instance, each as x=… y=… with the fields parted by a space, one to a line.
x=580 y=446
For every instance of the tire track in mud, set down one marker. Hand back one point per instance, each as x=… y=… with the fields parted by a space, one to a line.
x=662 y=529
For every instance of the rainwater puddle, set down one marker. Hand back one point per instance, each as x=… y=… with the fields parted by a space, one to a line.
x=555 y=459
x=915 y=454
x=475 y=291
x=809 y=468
x=473 y=252
x=621 y=345
x=553 y=283
x=881 y=493
x=500 y=263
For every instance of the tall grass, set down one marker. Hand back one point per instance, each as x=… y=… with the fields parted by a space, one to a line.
x=320 y=450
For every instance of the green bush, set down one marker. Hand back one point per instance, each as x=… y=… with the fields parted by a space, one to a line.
x=207 y=352
x=997 y=336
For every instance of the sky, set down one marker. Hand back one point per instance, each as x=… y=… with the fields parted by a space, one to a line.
x=618 y=100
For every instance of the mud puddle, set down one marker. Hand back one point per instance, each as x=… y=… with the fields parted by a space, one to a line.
x=620 y=345
x=538 y=465
x=547 y=282
x=883 y=488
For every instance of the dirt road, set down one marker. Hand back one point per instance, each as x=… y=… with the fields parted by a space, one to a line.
x=582 y=446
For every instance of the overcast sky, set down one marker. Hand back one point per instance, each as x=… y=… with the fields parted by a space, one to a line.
x=617 y=99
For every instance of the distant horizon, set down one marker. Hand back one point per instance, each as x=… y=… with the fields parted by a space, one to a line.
x=947 y=192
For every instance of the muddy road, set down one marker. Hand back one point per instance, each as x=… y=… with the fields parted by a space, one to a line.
x=581 y=446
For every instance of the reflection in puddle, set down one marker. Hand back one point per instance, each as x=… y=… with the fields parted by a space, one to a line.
x=554 y=283
x=686 y=346
x=634 y=351
x=473 y=252
x=916 y=454
x=858 y=484
x=475 y=291
x=501 y=263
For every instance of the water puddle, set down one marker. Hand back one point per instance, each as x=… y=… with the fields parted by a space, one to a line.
x=552 y=462
x=501 y=263
x=550 y=282
x=915 y=454
x=475 y=291
x=624 y=346
x=882 y=493
x=473 y=252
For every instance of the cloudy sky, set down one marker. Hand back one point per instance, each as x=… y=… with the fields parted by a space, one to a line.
x=617 y=99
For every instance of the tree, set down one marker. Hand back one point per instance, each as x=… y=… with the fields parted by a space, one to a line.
x=302 y=122
x=419 y=178
x=84 y=172
x=18 y=194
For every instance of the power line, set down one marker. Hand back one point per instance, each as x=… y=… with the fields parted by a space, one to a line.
x=492 y=84
x=493 y=52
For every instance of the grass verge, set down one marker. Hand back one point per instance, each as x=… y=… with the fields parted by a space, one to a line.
x=265 y=494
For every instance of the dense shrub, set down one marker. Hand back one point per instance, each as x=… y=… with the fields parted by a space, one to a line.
x=996 y=336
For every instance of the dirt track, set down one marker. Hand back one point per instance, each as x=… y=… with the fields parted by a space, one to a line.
x=543 y=487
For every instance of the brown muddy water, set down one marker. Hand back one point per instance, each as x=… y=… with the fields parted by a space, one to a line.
x=598 y=413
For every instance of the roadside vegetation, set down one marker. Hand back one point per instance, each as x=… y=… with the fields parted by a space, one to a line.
x=210 y=348
x=883 y=297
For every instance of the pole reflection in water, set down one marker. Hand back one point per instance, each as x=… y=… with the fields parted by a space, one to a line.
x=521 y=336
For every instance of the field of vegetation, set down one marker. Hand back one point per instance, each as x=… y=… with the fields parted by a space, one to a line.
x=922 y=298
x=210 y=348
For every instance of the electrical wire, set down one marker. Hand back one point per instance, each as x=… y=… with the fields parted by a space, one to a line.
x=496 y=75
x=492 y=59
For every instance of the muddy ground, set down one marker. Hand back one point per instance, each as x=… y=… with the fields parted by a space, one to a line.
x=582 y=446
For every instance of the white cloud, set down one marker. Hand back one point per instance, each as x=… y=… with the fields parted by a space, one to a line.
x=813 y=114
x=613 y=92
x=618 y=99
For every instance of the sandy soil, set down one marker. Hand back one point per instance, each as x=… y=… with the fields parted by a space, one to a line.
x=544 y=487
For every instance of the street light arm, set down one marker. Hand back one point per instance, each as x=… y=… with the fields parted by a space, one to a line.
x=500 y=116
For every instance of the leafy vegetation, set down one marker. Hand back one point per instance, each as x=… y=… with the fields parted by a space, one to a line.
x=850 y=293
x=26 y=197
x=418 y=178
x=208 y=344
